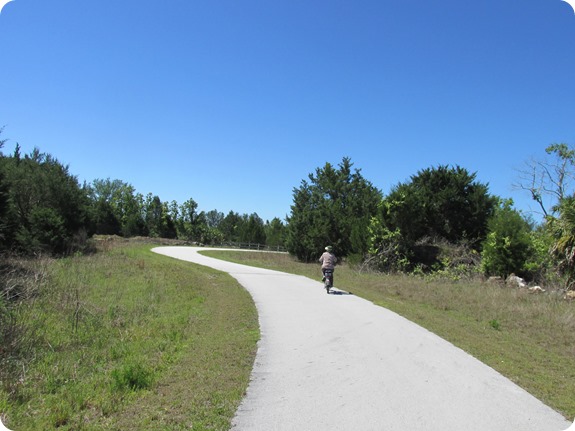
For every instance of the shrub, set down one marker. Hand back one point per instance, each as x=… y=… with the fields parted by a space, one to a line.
x=508 y=246
x=388 y=249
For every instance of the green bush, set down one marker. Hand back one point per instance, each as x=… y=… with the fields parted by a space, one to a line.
x=509 y=245
x=439 y=203
x=388 y=249
x=45 y=231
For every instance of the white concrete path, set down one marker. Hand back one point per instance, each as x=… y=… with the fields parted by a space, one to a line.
x=338 y=362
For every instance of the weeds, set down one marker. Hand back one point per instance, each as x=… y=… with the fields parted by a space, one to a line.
x=132 y=376
x=495 y=324
x=20 y=281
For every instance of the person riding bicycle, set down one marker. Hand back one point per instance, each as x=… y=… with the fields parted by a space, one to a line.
x=327 y=260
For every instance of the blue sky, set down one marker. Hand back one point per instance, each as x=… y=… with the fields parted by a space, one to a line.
x=233 y=103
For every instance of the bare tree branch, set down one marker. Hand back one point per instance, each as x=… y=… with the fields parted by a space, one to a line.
x=551 y=179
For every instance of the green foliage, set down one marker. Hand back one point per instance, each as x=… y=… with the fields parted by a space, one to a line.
x=229 y=226
x=563 y=231
x=388 y=249
x=131 y=376
x=540 y=265
x=509 y=245
x=4 y=204
x=563 y=171
x=213 y=228
x=443 y=202
x=550 y=183
x=275 y=233
x=335 y=208
x=4 y=195
x=251 y=229
x=438 y=204
x=157 y=219
x=305 y=232
x=118 y=210
x=104 y=220
x=494 y=323
x=44 y=208
x=188 y=223
x=45 y=231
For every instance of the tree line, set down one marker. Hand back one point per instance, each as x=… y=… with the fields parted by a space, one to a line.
x=44 y=209
x=441 y=220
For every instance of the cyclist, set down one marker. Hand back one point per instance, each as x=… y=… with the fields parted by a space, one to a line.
x=327 y=260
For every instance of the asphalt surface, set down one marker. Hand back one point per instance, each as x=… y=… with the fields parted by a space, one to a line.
x=338 y=362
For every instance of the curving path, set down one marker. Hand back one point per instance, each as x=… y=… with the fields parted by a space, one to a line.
x=338 y=362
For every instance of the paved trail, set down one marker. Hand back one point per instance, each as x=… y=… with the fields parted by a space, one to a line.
x=338 y=362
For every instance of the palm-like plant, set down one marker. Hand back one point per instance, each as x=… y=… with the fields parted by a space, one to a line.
x=563 y=229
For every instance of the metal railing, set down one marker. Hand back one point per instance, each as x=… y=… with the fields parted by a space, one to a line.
x=251 y=246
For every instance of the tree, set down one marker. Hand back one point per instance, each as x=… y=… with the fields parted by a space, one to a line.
x=157 y=218
x=563 y=231
x=443 y=202
x=549 y=181
x=214 y=218
x=190 y=223
x=439 y=205
x=229 y=226
x=333 y=208
x=4 y=196
x=4 y=205
x=275 y=233
x=117 y=208
x=251 y=229
x=48 y=210
x=508 y=246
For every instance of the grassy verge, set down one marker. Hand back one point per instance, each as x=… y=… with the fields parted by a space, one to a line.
x=528 y=338
x=130 y=340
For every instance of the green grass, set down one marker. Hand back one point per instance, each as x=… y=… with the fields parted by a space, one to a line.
x=130 y=340
x=528 y=338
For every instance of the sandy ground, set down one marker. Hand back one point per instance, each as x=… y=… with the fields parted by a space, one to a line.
x=338 y=362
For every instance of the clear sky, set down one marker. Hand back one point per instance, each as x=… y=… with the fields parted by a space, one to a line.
x=234 y=102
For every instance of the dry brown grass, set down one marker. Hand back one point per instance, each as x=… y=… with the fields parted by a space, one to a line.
x=20 y=281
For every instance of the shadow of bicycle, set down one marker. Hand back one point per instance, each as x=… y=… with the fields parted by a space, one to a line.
x=339 y=292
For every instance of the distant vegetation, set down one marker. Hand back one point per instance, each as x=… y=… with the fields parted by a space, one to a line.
x=441 y=220
x=43 y=209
